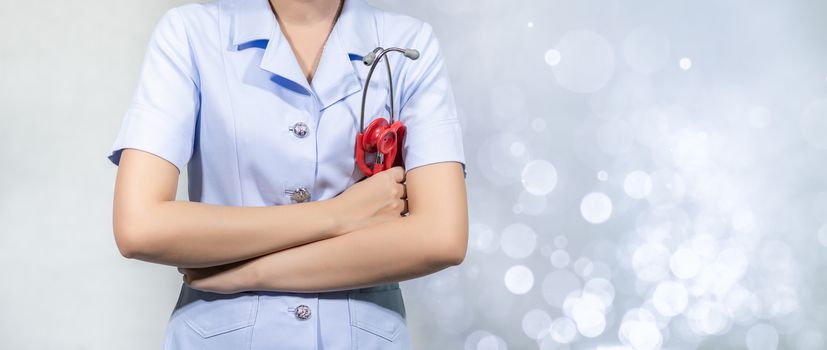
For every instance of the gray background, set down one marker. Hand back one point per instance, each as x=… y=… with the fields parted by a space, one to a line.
x=642 y=174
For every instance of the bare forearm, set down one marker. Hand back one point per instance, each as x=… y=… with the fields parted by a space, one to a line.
x=432 y=237
x=396 y=250
x=193 y=234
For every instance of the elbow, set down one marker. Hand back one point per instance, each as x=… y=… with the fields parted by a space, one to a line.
x=132 y=241
x=452 y=251
x=456 y=255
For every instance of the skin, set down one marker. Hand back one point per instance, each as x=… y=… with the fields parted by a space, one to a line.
x=306 y=24
x=355 y=240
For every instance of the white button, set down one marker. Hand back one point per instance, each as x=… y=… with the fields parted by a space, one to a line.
x=299 y=195
x=302 y=312
x=300 y=129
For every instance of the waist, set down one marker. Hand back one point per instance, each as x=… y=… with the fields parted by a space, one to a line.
x=190 y=293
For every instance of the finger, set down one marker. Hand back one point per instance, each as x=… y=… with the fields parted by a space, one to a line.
x=397 y=173
x=403 y=191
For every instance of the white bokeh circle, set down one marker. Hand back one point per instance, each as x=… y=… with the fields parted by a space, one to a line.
x=586 y=61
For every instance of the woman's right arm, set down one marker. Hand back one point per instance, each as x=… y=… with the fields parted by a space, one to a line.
x=150 y=225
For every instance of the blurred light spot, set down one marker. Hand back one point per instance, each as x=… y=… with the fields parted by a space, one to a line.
x=483 y=238
x=536 y=324
x=813 y=124
x=587 y=312
x=615 y=137
x=640 y=334
x=454 y=7
x=548 y=343
x=539 y=177
x=583 y=267
x=473 y=339
x=589 y=61
x=650 y=262
x=530 y=24
x=819 y=207
x=777 y=300
x=601 y=270
x=492 y=342
x=559 y=258
x=637 y=184
x=668 y=188
x=561 y=241
x=596 y=207
x=822 y=235
x=552 y=57
x=518 y=148
x=809 y=339
x=538 y=124
x=646 y=50
x=691 y=150
x=707 y=317
x=557 y=285
x=685 y=63
x=519 y=279
x=602 y=289
x=684 y=263
x=759 y=117
x=531 y=204
x=496 y=161
x=743 y=220
x=602 y=175
x=762 y=337
x=670 y=298
x=509 y=107
x=563 y=330
x=740 y=303
x=518 y=240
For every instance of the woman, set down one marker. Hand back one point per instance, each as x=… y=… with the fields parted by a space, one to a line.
x=281 y=245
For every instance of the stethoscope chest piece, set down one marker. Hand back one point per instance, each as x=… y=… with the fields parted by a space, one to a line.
x=385 y=139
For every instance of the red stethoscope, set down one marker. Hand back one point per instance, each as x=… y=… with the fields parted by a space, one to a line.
x=385 y=138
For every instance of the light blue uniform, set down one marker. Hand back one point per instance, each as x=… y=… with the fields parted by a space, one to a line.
x=221 y=93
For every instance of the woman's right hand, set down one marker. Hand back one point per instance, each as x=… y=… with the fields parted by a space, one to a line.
x=372 y=200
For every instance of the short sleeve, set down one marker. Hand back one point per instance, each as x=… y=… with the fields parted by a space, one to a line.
x=162 y=115
x=428 y=110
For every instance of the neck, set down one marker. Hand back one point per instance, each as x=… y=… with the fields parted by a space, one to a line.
x=305 y=12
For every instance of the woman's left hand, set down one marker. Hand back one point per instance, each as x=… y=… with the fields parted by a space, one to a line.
x=224 y=279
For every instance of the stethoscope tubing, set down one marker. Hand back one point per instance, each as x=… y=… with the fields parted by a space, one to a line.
x=379 y=56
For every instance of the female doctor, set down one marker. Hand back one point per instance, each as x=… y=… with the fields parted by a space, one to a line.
x=285 y=243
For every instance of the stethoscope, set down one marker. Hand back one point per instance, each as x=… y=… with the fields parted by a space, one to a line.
x=383 y=136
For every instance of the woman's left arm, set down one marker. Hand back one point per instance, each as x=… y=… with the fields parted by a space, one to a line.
x=432 y=237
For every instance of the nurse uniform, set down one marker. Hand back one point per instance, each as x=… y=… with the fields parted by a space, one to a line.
x=220 y=92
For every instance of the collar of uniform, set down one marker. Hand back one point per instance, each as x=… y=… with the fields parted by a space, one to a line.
x=336 y=77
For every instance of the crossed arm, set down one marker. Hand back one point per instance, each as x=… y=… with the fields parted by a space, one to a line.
x=301 y=247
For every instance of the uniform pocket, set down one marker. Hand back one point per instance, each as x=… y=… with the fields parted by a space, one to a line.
x=377 y=316
x=216 y=314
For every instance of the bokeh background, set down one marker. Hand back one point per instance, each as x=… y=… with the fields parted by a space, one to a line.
x=642 y=175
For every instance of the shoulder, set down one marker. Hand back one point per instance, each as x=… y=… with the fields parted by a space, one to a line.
x=195 y=16
x=402 y=29
x=192 y=26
